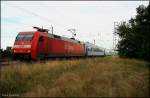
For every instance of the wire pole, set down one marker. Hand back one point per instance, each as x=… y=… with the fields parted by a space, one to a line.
x=114 y=36
x=52 y=29
x=99 y=34
x=0 y=40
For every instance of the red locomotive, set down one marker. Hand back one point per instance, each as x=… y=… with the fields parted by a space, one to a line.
x=40 y=44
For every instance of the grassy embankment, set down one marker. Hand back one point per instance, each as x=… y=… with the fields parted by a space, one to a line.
x=107 y=77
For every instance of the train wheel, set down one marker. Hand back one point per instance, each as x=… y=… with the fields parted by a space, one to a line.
x=14 y=57
x=40 y=57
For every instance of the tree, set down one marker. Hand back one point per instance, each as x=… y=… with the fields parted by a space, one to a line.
x=1 y=53
x=6 y=53
x=135 y=35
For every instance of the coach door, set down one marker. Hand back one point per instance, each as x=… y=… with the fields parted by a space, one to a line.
x=41 y=45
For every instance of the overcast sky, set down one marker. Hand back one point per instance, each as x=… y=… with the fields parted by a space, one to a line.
x=92 y=19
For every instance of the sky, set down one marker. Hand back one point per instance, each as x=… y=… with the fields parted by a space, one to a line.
x=93 y=20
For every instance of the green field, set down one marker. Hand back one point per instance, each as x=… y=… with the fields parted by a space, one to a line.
x=103 y=76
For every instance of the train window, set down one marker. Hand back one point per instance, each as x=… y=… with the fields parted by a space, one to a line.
x=20 y=37
x=28 y=37
x=24 y=37
x=88 y=49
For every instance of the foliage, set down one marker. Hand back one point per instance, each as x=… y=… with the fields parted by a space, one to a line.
x=135 y=35
x=6 y=53
x=1 y=52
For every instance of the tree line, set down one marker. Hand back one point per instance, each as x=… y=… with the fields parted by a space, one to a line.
x=134 y=35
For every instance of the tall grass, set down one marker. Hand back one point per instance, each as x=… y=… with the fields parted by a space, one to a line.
x=90 y=77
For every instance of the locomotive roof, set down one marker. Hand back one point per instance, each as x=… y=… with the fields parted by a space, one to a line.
x=64 y=38
x=27 y=32
x=91 y=45
x=54 y=36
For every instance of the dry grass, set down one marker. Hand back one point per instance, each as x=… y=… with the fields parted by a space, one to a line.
x=106 y=77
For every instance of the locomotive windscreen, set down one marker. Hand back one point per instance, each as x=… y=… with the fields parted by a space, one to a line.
x=24 y=37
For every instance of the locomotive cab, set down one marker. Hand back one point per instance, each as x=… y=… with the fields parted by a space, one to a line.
x=22 y=45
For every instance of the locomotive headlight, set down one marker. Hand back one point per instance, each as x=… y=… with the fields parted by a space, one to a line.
x=22 y=46
x=26 y=46
x=16 y=46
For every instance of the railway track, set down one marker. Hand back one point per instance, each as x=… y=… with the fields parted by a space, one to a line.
x=5 y=62
x=9 y=62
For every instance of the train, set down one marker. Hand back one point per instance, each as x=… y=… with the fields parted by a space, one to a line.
x=41 y=44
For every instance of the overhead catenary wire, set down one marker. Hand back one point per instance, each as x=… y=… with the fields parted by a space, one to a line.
x=30 y=13
x=21 y=23
x=25 y=10
x=34 y=14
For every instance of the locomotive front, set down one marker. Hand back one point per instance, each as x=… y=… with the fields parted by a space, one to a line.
x=22 y=45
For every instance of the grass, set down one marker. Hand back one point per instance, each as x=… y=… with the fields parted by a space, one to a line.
x=90 y=77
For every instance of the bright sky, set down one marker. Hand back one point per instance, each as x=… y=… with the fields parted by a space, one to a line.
x=92 y=19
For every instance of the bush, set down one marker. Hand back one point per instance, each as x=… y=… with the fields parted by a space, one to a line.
x=6 y=53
